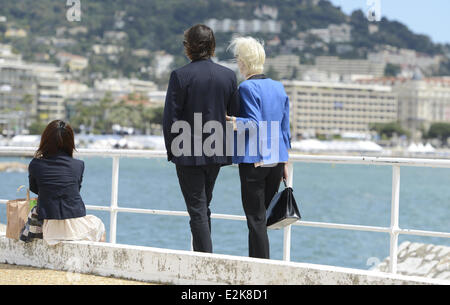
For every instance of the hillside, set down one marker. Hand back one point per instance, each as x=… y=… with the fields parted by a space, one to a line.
x=158 y=25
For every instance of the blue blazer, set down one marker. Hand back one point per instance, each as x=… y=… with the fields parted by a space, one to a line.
x=57 y=181
x=205 y=88
x=264 y=121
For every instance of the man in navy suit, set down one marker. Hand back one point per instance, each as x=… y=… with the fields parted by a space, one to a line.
x=200 y=92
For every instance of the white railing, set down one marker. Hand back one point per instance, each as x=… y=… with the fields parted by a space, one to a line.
x=394 y=230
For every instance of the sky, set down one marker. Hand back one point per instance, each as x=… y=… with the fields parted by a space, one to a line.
x=429 y=17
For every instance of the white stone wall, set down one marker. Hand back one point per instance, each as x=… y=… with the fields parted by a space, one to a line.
x=185 y=267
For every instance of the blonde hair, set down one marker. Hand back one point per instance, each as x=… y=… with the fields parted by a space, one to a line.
x=250 y=52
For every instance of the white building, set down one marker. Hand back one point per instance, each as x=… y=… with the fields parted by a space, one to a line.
x=336 y=108
x=16 y=81
x=243 y=26
x=333 y=33
x=124 y=86
x=107 y=49
x=406 y=59
x=162 y=63
x=423 y=102
x=348 y=67
x=286 y=66
x=74 y=62
x=6 y=54
x=50 y=100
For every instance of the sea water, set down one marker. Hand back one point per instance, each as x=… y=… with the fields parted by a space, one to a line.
x=345 y=194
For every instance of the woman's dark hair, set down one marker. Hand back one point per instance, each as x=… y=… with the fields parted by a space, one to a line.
x=199 y=42
x=57 y=137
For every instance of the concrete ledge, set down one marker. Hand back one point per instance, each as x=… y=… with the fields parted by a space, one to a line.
x=185 y=267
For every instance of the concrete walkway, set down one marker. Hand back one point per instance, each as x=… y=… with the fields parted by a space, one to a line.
x=20 y=275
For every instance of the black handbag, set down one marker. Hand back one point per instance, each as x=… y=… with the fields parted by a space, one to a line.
x=282 y=210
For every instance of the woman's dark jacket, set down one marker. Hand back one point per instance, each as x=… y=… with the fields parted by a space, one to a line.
x=57 y=181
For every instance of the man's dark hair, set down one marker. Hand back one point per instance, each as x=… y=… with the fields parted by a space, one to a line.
x=199 y=42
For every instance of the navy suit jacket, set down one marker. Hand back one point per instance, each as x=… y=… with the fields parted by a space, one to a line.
x=205 y=88
x=57 y=181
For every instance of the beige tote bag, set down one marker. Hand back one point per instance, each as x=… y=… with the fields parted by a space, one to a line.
x=17 y=215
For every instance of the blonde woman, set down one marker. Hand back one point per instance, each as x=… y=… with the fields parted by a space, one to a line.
x=263 y=102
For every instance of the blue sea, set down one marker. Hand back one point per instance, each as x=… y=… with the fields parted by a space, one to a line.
x=347 y=194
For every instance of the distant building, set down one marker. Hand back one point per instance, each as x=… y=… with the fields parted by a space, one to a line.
x=421 y=101
x=348 y=67
x=74 y=62
x=310 y=73
x=336 y=108
x=162 y=63
x=7 y=54
x=107 y=49
x=157 y=98
x=62 y=42
x=243 y=26
x=286 y=66
x=50 y=100
x=141 y=53
x=15 y=33
x=406 y=59
x=296 y=44
x=125 y=86
x=17 y=81
x=69 y=87
x=78 y=30
x=266 y=11
x=115 y=36
x=333 y=33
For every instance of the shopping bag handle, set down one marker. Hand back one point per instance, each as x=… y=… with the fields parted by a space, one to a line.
x=28 y=191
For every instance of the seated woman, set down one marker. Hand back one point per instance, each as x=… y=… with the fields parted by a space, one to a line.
x=56 y=177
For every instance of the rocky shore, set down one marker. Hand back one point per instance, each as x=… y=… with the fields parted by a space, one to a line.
x=417 y=259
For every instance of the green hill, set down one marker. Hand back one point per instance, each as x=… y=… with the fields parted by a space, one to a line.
x=159 y=25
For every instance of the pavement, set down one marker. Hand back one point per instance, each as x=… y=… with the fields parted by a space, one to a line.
x=21 y=275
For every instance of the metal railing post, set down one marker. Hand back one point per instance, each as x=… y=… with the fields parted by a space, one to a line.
x=114 y=199
x=394 y=229
x=287 y=229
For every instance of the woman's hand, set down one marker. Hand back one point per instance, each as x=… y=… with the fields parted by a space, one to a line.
x=230 y=118
x=286 y=172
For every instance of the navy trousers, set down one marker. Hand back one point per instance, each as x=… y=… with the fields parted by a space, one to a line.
x=258 y=186
x=197 y=184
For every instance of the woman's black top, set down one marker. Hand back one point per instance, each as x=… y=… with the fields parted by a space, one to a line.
x=57 y=181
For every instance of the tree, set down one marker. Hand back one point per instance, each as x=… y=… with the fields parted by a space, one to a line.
x=392 y=70
x=272 y=73
x=440 y=131
x=389 y=129
x=37 y=126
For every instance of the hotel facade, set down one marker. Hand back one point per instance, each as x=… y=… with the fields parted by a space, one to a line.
x=336 y=108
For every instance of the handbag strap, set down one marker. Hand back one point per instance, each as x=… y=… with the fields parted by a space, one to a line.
x=28 y=191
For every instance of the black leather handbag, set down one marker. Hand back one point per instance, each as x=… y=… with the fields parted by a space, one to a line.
x=282 y=210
